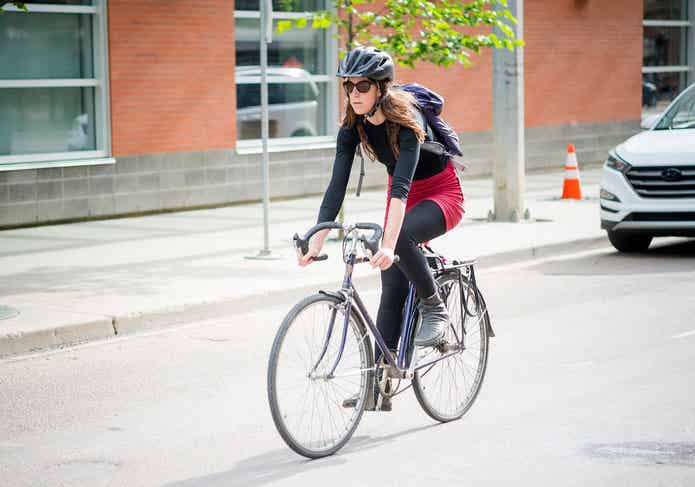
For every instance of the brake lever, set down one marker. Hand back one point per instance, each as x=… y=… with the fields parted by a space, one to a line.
x=372 y=244
x=303 y=246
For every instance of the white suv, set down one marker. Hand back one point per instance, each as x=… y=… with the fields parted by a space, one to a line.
x=648 y=181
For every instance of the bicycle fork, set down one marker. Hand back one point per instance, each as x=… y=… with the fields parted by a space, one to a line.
x=329 y=335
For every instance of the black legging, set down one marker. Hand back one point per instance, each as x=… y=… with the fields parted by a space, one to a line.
x=423 y=222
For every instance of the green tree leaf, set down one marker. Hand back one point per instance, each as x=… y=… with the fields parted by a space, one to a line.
x=301 y=23
x=19 y=5
x=283 y=25
x=442 y=32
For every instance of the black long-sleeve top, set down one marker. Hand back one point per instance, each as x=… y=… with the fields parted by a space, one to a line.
x=412 y=164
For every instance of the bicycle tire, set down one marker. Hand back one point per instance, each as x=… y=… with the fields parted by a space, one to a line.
x=423 y=386
x=328 y=390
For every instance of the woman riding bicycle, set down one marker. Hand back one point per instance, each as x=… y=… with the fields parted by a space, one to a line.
x=424 y=198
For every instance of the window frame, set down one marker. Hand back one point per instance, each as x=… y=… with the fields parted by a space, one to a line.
x=281 y=144
x=100 y=84
x=689 y=44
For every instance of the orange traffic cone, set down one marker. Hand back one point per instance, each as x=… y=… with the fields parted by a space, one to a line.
x=572 y=189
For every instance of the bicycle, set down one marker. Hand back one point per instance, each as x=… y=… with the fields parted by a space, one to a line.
x=315 y=364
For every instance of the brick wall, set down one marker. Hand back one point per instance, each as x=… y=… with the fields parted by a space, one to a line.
x=467 y=91
x=172 y=77
x=583 y=61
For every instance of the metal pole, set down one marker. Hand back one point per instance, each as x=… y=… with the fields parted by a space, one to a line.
x=266 y=19
x=266 y=35
x=508 y=115
x=690 y=75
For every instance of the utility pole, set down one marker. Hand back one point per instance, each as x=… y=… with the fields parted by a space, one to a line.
x=508 y=121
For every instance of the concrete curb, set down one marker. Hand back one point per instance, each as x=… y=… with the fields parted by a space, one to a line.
x=74 y=334
x=59 y=337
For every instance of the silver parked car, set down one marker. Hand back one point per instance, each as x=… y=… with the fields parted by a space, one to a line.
x=293 y=101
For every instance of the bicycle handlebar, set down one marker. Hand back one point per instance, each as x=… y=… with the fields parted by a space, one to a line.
x=303 y=243
x=371 y=243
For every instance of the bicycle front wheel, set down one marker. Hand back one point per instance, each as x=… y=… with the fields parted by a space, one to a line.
x=306 y=402
x=447 y=388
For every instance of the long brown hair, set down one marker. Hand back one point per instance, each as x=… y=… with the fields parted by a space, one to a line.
x=397 y=106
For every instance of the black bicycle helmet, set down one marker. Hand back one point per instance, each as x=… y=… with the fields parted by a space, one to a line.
x=368 y=62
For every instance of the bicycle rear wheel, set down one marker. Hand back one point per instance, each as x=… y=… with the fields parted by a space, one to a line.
x=307 y=404
x=448 y=388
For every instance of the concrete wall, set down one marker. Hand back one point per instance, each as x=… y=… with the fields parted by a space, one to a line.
x=546 y=147
x=179 y=180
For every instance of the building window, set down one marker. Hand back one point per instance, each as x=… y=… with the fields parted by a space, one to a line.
x=301 y=84
x=53 y=96
x=667 y=54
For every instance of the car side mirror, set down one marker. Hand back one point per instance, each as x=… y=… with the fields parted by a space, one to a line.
x=649 y=121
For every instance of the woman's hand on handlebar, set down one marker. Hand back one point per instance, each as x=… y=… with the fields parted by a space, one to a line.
x=383 y=259
x=308 y=258
x=315 y=246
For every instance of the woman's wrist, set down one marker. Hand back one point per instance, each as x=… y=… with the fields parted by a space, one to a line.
x=320 y=237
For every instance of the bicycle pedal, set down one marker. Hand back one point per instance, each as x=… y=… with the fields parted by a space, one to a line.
x=385 y=405
x=369 y=404
x=351 y=402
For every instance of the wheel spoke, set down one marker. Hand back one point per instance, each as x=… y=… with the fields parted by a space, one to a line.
x=308 y=410
x=447 y=388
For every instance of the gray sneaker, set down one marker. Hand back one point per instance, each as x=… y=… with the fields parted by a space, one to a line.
x=435 y=319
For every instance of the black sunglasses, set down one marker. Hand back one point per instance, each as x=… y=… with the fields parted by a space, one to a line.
x=362 y=86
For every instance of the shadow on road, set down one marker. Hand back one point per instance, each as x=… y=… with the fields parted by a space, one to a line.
x=670 y=258
x=283 y=463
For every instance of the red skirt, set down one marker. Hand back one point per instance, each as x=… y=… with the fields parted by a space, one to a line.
x=443 y=188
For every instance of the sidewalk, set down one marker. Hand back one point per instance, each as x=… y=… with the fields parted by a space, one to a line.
x=72 y=283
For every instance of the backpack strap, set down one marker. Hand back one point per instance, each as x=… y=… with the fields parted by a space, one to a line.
x=362 y=173
x=429 y=133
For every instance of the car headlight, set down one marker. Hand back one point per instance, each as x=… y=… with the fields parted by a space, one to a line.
x=614 y=162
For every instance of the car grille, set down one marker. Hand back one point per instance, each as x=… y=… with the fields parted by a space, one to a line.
x=676 y=216
x=650 y=182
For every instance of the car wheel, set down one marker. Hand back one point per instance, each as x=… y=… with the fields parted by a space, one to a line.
x=629 y=242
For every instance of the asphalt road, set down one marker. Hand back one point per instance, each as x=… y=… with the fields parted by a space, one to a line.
x=590 y=382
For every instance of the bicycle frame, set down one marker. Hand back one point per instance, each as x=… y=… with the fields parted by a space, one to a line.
x=349 y=295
